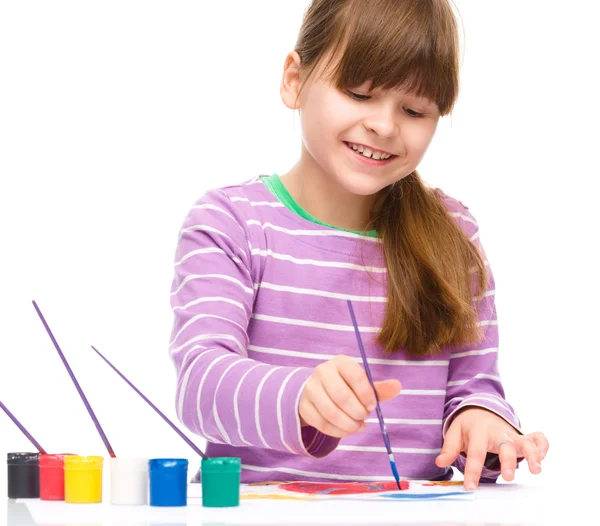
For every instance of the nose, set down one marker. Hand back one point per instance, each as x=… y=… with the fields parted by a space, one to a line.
x=382 y=121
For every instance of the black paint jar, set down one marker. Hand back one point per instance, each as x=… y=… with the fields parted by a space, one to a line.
x=23 y=475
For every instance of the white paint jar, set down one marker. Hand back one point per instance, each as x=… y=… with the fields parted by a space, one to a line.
x=129 y=481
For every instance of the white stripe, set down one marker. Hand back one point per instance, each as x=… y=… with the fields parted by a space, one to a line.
x=377 y=449
x=199 y=317
x=218 y=276
x=477 y=376
x=490 y=292
x=322 y=293
x=316 y=263
x=462 y=216
x=200 y=385
x=218 y=209
x=185 y=379
x=480 y=404
x=297 y=413
x=475 y=236
x=486 y=323
x=325 y=357
x=280 y=414
x=257 y=405
x=407 y=421
x=209 y=250
x=236 y=409
x=314 y=324
x=274 y=204
x=215 y=410
x=204 y=228
x=215 y=298
x=209 y=337
x=423 y=392
x=324 y=233
x=473 y=353
x=332 y=476
x=454 y=399
x=489 y=398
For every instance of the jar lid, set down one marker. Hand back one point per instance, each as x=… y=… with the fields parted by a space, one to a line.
x=222 y=465
x=22 y=458
x=129 y=463
x=169 y=463
x=53 y=460
x=81 y=462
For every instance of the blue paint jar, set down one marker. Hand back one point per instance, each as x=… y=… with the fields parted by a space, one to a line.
x=168 y=481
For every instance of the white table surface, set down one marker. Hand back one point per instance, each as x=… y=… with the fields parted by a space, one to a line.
x=537 y=502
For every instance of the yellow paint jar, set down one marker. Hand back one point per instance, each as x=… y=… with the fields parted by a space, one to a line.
x=83 y=479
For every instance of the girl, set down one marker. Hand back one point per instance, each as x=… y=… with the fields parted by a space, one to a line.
x=267 y=361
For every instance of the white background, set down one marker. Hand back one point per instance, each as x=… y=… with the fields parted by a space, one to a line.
x=116 y=116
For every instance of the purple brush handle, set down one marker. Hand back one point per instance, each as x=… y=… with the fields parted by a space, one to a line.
x=386 y=438
x=23 y=430
x=79 y=390
x=186 y=439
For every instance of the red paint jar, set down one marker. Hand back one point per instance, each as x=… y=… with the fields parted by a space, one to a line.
x=52 y=476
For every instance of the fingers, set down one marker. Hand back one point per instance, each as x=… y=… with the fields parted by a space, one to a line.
x=541 y=442
x=342 y=389
x=313 y=417
x=476 y=454
x=356 y=378
x=387 y=389
x=507 y=453
x=451 y=448
x=528 y=448
x=333 y=414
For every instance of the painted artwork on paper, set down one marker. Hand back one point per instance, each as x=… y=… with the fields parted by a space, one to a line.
x=311 y=491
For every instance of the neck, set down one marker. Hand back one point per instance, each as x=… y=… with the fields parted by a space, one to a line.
x=325 y=199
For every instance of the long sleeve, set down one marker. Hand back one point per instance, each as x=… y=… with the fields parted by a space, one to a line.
x=222 y=394
x=473 y=377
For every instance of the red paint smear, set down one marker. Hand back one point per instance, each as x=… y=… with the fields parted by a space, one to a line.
x=342 y=488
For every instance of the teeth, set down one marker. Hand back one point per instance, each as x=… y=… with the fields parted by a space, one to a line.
x=368 y=153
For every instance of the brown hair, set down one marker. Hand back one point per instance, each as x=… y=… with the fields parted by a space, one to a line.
x=410 y=45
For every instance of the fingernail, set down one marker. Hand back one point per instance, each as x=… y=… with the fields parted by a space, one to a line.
x=543 y=455
x=509 y=473
x=470 y=486
x=537 y=465
x=370 y=407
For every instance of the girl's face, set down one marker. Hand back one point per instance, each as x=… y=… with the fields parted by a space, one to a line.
x=393 y=128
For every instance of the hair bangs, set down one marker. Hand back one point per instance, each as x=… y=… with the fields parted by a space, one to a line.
x=417 y=54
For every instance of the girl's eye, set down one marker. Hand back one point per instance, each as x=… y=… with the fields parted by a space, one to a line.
x=357 y=96
x=413 y=113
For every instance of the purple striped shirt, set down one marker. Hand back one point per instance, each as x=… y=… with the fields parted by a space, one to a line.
x=259 y=299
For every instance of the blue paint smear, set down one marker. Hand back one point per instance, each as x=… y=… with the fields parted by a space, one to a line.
x=422 y=495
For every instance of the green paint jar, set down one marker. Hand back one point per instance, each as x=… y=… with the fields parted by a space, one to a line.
x=221 y=482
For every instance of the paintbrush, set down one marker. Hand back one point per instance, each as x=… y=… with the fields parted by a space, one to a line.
x=186 y=439
x=386 y=438
x=79 y=390
x=22 y=428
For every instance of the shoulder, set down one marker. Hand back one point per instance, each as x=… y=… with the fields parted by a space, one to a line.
x=459 y=211
x=232 y=208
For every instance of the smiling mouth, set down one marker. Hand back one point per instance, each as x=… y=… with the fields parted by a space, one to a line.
x=369 y=153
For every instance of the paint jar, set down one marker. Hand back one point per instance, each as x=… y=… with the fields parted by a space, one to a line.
x=83 y=479
x=221 y=482
x=23 y=474
x=168 y=481
x=129 y=481
x=52 y=476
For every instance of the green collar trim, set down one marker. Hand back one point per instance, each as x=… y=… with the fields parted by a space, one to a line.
x=278 y=189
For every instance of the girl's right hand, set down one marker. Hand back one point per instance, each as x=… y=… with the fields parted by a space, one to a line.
x=338 y=397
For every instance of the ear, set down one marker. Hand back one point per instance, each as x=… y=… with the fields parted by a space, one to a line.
x=290 y=81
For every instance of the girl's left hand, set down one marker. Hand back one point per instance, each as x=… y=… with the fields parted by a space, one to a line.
x=477 y=432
